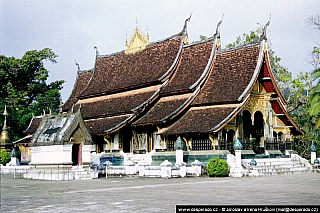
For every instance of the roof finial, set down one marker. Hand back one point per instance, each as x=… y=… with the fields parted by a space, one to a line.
x=185 y=22
x=218 y=26
x=96 y=48
x=50 y=112
x=77 y=65
x=264 y=30
x=136 y=24
x=44 y=112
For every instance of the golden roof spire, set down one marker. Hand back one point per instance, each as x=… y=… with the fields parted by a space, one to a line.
x=137 y=42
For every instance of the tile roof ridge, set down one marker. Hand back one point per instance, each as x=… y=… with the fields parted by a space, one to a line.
x=32 y=119
x=199 y=42
x=256 y=71
x=206 y=71
x=229 y=49
x=80 y=72
x=148 y=45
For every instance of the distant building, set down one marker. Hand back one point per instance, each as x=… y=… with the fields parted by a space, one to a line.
x=144 y=97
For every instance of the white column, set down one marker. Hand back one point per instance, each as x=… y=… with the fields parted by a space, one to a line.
x=157 y=141
x=313 y=157
x=238 y=158
x=115 y=145
x=179 y=156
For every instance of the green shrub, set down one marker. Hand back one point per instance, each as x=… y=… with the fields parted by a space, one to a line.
x=4 y=157
x=217 y=168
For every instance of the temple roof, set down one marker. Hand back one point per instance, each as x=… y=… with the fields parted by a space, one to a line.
x=232 y=71
x=118 y=72
x=58 y=129
x=196 y=120
x=117 y=104
x=100 y=125
x=177 y=94
x=82 y=80
x=189 y=70
x=163 y=108
x=33 y=125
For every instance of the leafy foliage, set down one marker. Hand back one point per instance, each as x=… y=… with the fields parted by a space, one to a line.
x=4 y=157
x=24 y=90
x=217 y=168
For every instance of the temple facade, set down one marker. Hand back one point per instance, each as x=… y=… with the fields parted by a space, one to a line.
x=146 y=96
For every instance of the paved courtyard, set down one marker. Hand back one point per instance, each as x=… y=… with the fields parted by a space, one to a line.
x=154 y=194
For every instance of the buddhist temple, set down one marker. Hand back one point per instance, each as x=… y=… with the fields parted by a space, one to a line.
x=146 y=96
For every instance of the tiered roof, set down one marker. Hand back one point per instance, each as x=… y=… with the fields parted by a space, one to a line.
x=186 y=88
x=119 y=72
x=123 y=85
x=231 y=73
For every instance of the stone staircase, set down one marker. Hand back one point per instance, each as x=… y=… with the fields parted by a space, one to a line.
x=277 y=166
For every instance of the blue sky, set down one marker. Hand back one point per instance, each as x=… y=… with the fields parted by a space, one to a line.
x=72 y=27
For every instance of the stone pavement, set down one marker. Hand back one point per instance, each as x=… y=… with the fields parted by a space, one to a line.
x=154 y=194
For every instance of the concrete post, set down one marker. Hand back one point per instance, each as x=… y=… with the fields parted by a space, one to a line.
x=182 y=169
x=166 y=167
x=238 y=158
x=179 y=156
x=142 y=167
x=313 y=157
x=196 y=166
x=107 y=164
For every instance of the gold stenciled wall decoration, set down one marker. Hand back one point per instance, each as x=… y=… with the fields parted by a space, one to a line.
x=257 y=103
x=137 y=42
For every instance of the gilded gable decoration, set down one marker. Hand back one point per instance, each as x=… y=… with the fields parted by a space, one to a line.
x=137 y=42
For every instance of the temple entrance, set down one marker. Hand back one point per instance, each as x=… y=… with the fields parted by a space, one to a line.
x=126 y=141
x=76 y=154
x=230 y=140
x=258 y=132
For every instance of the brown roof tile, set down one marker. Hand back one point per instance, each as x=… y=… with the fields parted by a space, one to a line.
x=164 y=107
x=232 y=72
x=115 y=104
x=199 y=120
x=81 y=81
x=34 y=124
x=120 y=71
x=193 y=62
x=97 y=126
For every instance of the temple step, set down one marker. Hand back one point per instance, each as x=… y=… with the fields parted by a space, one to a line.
x=277 y=166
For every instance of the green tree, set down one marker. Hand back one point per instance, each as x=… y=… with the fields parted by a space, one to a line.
x=24 y=90
x=4 y=157
x=314 y=21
